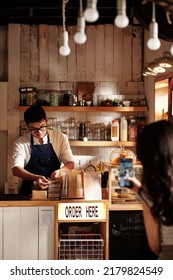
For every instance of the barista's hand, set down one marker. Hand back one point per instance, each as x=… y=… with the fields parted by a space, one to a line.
x=136 y=183
x=42 y=182
x=55 y=175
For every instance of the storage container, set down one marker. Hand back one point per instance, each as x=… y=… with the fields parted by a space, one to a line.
x=123 y=129
x=115 y=130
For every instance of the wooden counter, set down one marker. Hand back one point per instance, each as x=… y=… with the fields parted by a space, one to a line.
x=35 y=221
x=46 y=202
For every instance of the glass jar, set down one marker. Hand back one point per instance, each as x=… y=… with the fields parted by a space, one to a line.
x=54 y=98
x=133 y=130
x=30 y=98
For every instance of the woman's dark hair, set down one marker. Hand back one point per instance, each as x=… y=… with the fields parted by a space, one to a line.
x=34 y=113
x=155 y=151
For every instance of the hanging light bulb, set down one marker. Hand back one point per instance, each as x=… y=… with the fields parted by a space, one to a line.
x=121 y=20
x=80 y=36
x=64 y=48
x=91 y=13
x=153 y=42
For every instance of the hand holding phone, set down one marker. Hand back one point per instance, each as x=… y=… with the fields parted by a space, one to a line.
x=126 y=170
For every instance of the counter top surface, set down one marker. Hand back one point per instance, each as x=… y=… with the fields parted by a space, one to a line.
x=46 y=202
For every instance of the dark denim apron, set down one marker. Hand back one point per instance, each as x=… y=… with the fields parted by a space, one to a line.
x=43 y=161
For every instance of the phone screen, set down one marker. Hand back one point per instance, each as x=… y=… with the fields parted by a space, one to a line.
x=126 y=170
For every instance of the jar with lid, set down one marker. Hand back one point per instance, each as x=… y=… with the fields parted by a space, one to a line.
x=43 y=97
x=30 y=98
x=115 y=130
x=54 y=98
x=133 y=130
x=27 y=96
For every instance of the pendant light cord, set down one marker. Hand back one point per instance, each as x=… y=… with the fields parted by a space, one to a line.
x=64 y=2
x=81 y=8
x=154 y=12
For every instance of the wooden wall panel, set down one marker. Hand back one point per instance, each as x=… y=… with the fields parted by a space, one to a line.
x=72 y=59
x=108 y=53
x=34 y=54
x=118 y=54
x=80 y=59
x=90 y=54
x=53 y=52
x=43 y=53
x=24 y=53
x=137 y=60
x=3 y=53
x=3 y=105
x=14 y=36
x=3 y=159
x=99 y=53
x=127 y=53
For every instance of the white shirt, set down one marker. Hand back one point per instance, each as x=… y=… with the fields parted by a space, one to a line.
x=22 y=148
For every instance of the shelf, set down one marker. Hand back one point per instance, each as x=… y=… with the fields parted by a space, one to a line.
x=76 y=143
x=90 y=109
x=109 y=165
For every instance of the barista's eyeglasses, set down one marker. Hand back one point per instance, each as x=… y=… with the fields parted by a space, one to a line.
x=36 y=130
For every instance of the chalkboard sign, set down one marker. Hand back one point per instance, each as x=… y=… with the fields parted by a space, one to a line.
x=127 y=236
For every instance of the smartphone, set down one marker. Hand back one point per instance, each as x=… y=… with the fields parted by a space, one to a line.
x=126 y=170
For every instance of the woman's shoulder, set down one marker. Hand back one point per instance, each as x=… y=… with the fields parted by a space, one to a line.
x=143 y=196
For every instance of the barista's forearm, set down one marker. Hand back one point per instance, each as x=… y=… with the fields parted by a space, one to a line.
x=68 y=165
x=24 y=174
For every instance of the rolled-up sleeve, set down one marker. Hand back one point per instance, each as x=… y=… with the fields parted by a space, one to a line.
x=21 y=152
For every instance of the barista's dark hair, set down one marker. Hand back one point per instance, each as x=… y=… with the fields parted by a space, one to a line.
x=34 y=113
x=155 y=151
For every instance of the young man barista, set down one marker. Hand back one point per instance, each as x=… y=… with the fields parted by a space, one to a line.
x=38 y=155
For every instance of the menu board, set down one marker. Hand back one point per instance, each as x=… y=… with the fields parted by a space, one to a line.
x=127 y=236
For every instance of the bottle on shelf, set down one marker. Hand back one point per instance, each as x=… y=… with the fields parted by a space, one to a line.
x=133 y=130
x=108 y=132
x=95 y=101
x=115 y=130
x=141 y=123
x=123 y=129
x=82 y=131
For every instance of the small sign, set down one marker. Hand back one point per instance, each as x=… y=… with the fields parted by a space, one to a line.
x=82 y=211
